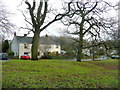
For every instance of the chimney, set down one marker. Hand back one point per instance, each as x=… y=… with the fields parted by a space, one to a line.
x=46 y=35
x=25 y=35
x=15 y=34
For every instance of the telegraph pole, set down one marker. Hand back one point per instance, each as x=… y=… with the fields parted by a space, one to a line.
x=119 y=27
x=93 y=57
x=1 y=41
x=46 y=45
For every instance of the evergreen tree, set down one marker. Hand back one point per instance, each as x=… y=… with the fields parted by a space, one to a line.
x=5 y=46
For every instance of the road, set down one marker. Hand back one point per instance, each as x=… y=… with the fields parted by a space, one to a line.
x=3 y=60
x=87 y=59
x=72 y=59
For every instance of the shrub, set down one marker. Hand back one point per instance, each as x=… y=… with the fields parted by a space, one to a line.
x=46 y=57
x=52 y=53
x=10 y=54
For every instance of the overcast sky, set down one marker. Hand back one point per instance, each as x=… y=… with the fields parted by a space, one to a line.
x=18 y=19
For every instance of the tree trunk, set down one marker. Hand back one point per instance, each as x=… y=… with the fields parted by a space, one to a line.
x=35 y=45
x=93 y=56
x=79 y=56
x=119 y=40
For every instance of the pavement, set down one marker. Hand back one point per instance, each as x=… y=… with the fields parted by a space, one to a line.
x=3 y=60
x=75 y=59
x=87 y=59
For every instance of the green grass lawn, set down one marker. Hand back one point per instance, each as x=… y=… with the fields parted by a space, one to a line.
x=59 y=74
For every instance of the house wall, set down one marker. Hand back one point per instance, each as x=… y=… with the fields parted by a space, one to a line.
x=15 y=46
x=86 y=51
x=0 y=48
x=50 y=48
x=41 y=50
x=55 y=48
x=22 y=49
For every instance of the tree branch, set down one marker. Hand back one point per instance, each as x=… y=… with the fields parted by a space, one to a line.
x=31 y=13
x=39 y=11
x=44 y=14
x=25 y=18
x=57 y=17
x=27 y=29
x=34 y=3
x=92 y=8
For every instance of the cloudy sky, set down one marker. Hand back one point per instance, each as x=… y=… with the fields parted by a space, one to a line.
x=18 y=19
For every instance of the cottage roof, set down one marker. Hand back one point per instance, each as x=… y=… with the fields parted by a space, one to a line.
x=43 y=40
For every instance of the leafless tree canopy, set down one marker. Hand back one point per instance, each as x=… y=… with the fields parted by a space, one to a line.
x=38 y=15
x=90 y=17
x=94 y=13
x=5 y=24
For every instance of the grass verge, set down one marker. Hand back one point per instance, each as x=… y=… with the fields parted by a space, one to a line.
x=59 y=74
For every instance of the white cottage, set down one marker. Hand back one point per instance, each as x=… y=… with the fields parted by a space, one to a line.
x=22 y=45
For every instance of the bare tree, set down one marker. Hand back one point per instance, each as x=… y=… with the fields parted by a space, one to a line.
x=89 y=19
x=38 y=16
x=119 y=27
x=5 y=24
x=45 y=48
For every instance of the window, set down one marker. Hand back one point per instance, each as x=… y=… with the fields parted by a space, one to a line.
x=56 y=53
x=57 y=46
x=26 y=53
x=49 y=53
x=49 y=47
x=26 y=45
x=38 y=53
